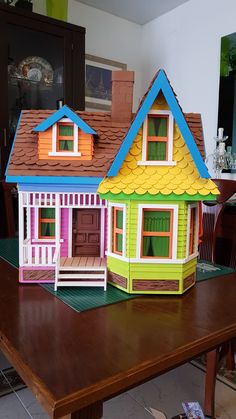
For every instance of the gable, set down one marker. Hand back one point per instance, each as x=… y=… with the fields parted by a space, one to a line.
x=25 y=166
x=64 y=112
x=160 y=83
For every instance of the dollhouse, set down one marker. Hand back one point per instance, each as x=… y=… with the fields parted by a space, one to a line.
x=111 y=195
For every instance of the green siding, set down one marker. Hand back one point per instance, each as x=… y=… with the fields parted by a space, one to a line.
x=118 y=266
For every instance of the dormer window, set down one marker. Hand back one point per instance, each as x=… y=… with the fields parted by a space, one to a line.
x=158 y=139
x=65 y=139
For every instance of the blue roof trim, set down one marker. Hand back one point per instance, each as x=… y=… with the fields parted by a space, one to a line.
x=61 y=113
x=160 y=83
x=13 y=144
x=62 y=180
x=42 y=187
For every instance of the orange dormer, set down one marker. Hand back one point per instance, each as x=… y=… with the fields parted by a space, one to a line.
x=65 y=136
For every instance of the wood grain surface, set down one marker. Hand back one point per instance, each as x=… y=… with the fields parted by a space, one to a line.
x=75 y=360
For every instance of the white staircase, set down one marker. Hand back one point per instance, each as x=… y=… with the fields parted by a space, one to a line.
x=81 y=272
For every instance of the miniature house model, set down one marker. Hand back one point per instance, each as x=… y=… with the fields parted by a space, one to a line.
x=111 y=196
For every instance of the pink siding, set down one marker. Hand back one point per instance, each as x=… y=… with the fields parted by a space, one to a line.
x=32 y=226
x=105 y=230
x=64 y=231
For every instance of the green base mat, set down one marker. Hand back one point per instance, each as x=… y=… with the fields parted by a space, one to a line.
x=85 y=298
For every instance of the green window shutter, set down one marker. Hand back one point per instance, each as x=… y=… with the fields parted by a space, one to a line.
x=66 y=130
x=156 y=150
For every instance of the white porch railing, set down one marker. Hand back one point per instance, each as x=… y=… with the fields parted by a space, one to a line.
x=65 y=200
x=38 y=254
x=56 y=260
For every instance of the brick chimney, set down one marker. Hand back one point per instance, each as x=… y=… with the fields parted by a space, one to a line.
x=122 y=96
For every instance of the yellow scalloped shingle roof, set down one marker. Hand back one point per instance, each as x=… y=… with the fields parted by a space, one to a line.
x=178 y=179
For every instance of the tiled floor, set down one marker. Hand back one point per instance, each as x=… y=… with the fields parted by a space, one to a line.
x=164 y=394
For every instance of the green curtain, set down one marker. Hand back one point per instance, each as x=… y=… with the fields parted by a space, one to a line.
x=66 y=145
x=47 y=228
x=57 y=9
x=156 y=150
x=47 y=213
x=66 y=130
x=157 y=127
x=119 y=219
x=119 y=241
x=158 y=221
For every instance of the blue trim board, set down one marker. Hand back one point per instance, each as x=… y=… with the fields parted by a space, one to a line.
x=13 y=144
x=57 y=188
x=161 y=83
x=61 y=113
x=56 y=180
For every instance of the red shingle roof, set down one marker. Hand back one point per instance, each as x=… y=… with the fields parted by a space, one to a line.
x=25 y=162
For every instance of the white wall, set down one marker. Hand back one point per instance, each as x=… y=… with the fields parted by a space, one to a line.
x=186 y=43
x=108 y=36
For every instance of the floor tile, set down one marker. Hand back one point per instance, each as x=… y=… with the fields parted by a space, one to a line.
x=3 y=362
x=31 y=404
x=167 y=392
x=124 y=407
x=11 y=408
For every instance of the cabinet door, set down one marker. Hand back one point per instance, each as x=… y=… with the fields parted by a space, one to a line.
x=40 y=70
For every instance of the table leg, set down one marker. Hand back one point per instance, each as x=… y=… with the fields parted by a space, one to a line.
x=210 y=381
x=93 y=411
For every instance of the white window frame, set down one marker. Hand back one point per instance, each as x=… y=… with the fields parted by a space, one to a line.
x=36 y=221
x=196 y=231
x=54 y=151
x=175 y=209
x=110 y=229
x=169 y=161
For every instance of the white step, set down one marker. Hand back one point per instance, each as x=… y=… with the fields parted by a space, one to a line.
x=81 y=284
x=77 y=276
x=82 y=268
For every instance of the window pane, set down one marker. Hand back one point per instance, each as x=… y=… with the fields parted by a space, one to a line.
x=154 y=246
x=47 y=229
x=47 y=213
x=157 y=126
x=66 y=130
x=119 y=242
x=66 y=145
x=158 y=221
x=119 y=219
x=156 y=150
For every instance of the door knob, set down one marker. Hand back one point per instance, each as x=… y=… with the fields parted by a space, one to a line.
x=74 y=231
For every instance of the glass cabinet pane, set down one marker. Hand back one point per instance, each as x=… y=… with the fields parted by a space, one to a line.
x=35 y=72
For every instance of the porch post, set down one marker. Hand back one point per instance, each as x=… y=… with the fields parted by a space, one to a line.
x=58 y=220
x=21 y=227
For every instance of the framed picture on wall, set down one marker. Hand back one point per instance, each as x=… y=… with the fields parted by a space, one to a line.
x=98 y=81
x=227 y=89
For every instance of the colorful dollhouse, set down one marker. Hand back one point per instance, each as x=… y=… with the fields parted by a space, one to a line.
x=111 y=196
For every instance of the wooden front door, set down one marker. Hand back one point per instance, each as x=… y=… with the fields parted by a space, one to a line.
x=86 y=232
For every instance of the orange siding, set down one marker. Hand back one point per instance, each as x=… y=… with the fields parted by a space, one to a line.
x=85 y=146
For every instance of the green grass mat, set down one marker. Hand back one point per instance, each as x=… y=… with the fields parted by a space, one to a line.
x=85 y=298
x=9 y=251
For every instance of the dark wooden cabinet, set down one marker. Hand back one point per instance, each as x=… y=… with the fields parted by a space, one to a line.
x=41 y=66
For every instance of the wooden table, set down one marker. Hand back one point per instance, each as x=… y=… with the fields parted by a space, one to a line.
x=73 y=361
